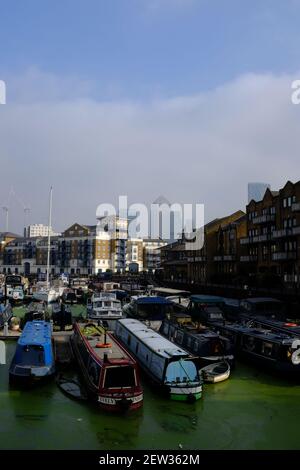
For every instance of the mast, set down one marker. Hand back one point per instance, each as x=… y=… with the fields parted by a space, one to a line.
x=49 y=227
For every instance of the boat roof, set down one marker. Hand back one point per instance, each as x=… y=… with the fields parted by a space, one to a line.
x=262 y=333
x=36 y=332
x=115 y=353
x=152 y=339
x=166 y=290
x=152 y=299
x=207 y=299
x=257 y=300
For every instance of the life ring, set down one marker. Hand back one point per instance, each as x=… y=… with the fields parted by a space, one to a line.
x=103 y=345
x=296 y=354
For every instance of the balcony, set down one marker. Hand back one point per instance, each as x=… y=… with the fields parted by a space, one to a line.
x=286 y=232
x=261 y=238
x=284 y=256
x=257 y=239
x=245 y=241
x=263 y=219
x=196 y=259
x=296 y=207
x=224 y=258
x=248 y=259
x=296 y=230
x=291 y=278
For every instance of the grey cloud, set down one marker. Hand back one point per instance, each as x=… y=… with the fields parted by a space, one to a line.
x=202 y=148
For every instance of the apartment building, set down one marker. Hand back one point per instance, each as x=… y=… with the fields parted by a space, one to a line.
x=216 y=261
x=272 y=244
x=38 y=230
x=134 y=255
x=152 y=253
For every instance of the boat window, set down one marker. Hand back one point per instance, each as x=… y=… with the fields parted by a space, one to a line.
x=119 y=377
x=267 y=349
x=165 y=329
x=195 y=346
x=129 y=340
x=32 y=356
x=179 y=337
x=137 y=348
x=181 y=371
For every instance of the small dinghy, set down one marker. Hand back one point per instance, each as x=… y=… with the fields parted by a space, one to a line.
x=71 y=387
x=216 y=372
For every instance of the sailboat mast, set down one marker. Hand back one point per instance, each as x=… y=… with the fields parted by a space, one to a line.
x=49 y=235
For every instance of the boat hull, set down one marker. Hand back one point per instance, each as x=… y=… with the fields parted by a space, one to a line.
x=186 y=394
x=105 y=401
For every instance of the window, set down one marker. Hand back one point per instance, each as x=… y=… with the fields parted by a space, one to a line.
x=119 y=377
x=284 y=202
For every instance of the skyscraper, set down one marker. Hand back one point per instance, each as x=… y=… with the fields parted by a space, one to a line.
x=257 y=191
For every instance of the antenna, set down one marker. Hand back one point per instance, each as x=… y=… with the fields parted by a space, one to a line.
x=6 y=209
x=49 y=228
x=26 y=216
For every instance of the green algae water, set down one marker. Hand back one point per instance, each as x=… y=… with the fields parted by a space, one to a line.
x=251 y=410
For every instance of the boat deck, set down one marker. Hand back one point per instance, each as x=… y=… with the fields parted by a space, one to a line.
x=113 y=350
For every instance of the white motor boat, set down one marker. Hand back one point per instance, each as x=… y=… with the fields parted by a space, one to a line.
x=104 y=306
x=46 y=294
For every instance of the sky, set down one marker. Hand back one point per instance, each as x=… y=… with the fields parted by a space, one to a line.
x=189 y=99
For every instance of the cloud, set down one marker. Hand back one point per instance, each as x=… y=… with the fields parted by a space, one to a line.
x=202 y=148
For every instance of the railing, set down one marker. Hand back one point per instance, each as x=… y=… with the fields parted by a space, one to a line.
x=296 y=207
x=286 y=232
x=284 y=255
x=262 y=219
x=247 y=259
x=224 y=258
x=196 y=259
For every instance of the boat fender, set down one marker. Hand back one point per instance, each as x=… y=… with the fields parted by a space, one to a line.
x=296 y=354
x=290 y=324
x=191 y=398
x=124 y=404
x=103 y=345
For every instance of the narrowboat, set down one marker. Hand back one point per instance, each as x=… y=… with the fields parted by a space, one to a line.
x=34 y=359
x=199 y=340
x=275 y=351
x=6 y=314
x=104 y=307
x=254 y=306
x=206 y=308
x=152 y=309
x=169 y=367
x=110 y=373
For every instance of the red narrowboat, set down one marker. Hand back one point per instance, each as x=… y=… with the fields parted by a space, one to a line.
x=109 y=371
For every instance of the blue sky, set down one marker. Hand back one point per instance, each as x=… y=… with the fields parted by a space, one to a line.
x=144 y=48
x=145 y=97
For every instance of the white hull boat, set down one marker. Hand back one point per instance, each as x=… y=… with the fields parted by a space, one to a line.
x=214 y=373
x=46 y=295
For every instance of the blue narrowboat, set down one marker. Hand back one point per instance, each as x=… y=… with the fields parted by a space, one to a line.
x=34 y=357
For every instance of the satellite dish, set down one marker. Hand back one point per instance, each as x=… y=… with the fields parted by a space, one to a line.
x=2 y=353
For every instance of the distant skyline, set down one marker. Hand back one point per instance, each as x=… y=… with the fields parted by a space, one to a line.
x=185 y=98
